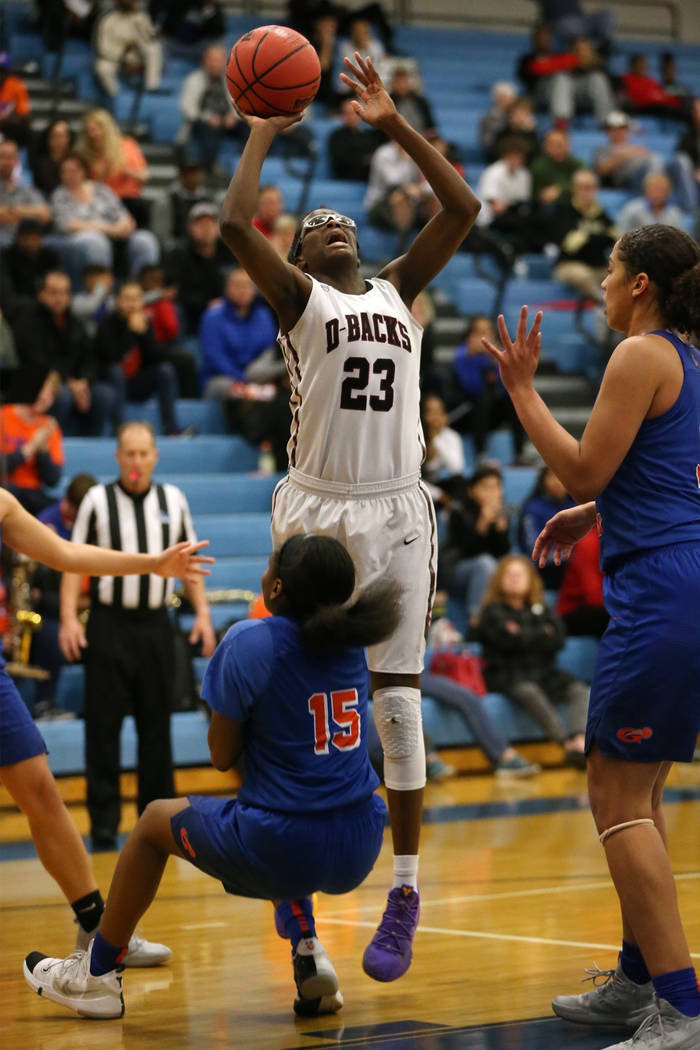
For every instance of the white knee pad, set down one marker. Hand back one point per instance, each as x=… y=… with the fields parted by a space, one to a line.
x=397 y=715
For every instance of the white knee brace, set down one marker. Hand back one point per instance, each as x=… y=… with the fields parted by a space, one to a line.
x=397 y=715
x=605 y=835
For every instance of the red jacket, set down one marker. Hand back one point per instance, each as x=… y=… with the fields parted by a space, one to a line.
x=583 y=580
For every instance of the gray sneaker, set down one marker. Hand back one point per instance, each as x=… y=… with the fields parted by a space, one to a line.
x=616 y=1003
x=666 y=1029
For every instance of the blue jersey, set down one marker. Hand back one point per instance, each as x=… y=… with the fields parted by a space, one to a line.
x=653 y=499
x=305 y=717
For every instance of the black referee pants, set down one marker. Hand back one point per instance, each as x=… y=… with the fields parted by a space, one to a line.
x=129 y=664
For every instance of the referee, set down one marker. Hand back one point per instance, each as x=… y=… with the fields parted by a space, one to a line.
x=128 y=648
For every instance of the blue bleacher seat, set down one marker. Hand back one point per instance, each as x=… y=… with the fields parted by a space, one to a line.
x=235 y=535
x=579 y=656
x=241 y=573
x=234 y=494
x=198 y=455
x=475 y=294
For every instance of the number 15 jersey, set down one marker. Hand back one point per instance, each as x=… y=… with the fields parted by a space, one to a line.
x=354 y=362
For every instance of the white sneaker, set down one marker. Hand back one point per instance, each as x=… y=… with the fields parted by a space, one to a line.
x=70 y=983
x=617 y=1003
x=140 y=951
x=314 y=975
x=666 y=1029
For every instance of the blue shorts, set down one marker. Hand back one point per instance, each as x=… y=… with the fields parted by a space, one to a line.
x=645 y=698
x=278 y=856
x=19 y=737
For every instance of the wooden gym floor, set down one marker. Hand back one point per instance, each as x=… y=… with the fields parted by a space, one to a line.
x=516 y=901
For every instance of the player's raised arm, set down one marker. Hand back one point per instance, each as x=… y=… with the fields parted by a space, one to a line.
x=283 y=285
x=439 y=239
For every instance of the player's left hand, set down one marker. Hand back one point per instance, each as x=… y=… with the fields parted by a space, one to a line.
x=517 y=361
x=184 y=561
x=375 y=104
x=202 y=631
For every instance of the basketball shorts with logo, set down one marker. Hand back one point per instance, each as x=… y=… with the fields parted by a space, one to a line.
x=389 y=533
x=280 y=856
x=645 y=698
x=19 y=737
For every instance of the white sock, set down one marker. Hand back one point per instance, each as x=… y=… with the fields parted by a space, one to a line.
x=406 y=870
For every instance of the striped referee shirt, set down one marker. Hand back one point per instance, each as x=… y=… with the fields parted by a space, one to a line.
x=144 y=523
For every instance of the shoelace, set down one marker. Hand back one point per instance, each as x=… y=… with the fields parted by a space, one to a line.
x=595 y=974
x=71 y=965
x=399 y=926
x=652 y=1025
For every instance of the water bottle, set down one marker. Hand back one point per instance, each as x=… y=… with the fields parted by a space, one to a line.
x=266 y=459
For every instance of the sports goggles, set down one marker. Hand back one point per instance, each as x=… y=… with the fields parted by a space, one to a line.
x=330 y=216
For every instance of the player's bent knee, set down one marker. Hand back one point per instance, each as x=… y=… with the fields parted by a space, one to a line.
x=397 y=715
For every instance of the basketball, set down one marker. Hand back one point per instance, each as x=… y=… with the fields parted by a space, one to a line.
x=273 y=71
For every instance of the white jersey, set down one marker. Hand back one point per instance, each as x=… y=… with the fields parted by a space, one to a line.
x=353 y=362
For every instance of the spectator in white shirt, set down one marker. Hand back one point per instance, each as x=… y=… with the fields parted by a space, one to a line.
x=444 y=452
x=206 y=108
x=397 y=198
x=505 y=190
x=127 y=37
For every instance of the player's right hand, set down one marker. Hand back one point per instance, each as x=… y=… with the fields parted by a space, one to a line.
x=273 y=124
x=72 y=640
x=562 y=533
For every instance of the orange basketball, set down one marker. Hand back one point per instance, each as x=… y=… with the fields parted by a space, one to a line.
x=273 y=71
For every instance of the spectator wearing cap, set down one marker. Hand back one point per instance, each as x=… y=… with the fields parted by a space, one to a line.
x=196 y=266
x=17 y=202
x=654 y=207
x=15 y=108
x=23 y=265
x=207 y=110
x=622 y=163
x=352 y=145
x=48 y=335
x=30 y=439
x=412 y=106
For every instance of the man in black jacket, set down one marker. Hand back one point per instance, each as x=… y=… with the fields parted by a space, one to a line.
x=352 y=145
x=196 y=266
x=48 y=336
x=23 y=267
x=131 y=359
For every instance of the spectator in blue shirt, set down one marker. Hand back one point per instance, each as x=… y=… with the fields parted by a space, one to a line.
x=233 y=332
x=547 y=498
x=481 y=403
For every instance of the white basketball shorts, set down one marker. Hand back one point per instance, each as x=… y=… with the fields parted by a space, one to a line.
x=389 y=531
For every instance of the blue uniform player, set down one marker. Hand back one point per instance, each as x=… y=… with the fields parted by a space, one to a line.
x=636 y=474
x=289 y=694
x=24 y=769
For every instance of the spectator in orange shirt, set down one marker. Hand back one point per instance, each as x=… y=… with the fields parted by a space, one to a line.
x=580 y=601
x=14 y=104
x=30 y=440
x=116 y=160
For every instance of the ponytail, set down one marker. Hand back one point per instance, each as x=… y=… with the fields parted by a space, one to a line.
x=318 y=579
x=371 y=618
x=682 y=307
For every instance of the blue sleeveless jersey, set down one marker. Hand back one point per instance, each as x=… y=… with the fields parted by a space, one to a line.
x=653 y=499
x=305 y=717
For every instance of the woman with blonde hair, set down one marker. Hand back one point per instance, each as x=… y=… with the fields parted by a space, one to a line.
x=114 y=159
x=520 y=637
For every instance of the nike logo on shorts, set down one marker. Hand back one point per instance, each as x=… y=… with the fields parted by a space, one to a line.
x=410 y=539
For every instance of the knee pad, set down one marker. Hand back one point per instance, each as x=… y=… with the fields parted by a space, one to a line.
x=604 y=835
x=397 y=715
